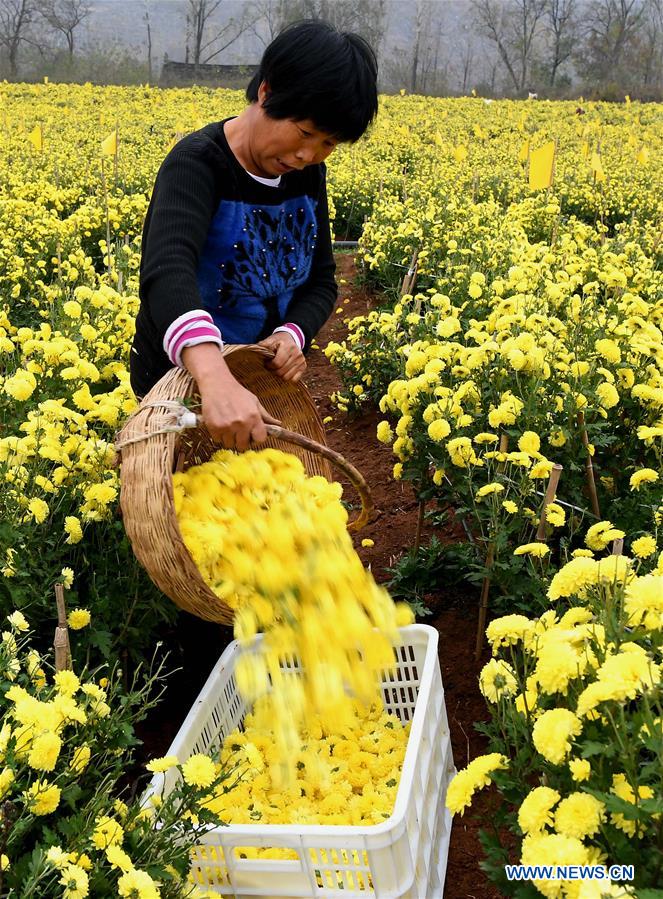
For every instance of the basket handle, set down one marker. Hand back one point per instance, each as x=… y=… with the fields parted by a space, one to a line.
x=355 y=477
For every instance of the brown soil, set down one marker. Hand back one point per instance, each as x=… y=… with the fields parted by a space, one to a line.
x=198 y=645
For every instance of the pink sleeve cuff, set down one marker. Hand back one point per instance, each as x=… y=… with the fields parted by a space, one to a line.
x=190 y=329
x=294 y=331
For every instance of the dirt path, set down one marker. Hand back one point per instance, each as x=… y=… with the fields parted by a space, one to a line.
x=198 y=645
x=393 y=532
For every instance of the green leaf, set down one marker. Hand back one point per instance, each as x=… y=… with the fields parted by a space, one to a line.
x=592 y=747
x=620 y=806
x=71 y=794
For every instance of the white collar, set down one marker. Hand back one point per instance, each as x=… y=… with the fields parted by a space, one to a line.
x=270 y=182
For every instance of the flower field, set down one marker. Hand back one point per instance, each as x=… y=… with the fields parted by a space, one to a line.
x=530 y=345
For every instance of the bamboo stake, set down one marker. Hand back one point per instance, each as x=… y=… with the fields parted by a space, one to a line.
x=503 y=448
x=117 y=148
x=490 y=561
x=420 y=524
x=551 y=491
x=105 y=187
x=617 y=546
x=483 y=600
x=589 y=467
x=410 y=276
x=120 y=274
x=58 y=252
x=61 y=641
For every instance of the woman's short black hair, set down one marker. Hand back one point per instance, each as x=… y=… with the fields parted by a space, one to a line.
x=313 y=71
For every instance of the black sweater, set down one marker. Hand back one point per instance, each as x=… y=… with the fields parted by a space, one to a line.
x=254 y=256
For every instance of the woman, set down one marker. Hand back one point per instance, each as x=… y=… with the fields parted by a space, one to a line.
x=236 y=241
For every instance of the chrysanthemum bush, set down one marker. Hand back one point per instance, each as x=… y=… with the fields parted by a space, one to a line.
x=576 y=728
x=521 y=355
x=535 y=338
x=64 y=391
x=69 y=826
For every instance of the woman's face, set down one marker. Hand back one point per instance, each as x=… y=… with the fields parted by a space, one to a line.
x=278 y=146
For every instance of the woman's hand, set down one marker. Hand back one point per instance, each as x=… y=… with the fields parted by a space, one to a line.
x=232 y=414
x=288 y=362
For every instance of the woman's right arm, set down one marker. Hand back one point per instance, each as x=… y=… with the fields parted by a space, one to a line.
x=232 y=414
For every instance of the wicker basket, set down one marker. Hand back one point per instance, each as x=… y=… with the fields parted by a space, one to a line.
x=150 y=454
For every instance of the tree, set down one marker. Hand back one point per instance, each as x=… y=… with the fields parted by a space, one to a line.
x=645 y=57
x=269 y=18
x=148 y=28
x=416 y=66
x=512 y=26
x=425 y=48
x=16 y=20
x=612 y=30
x=466 y=64
x=365 y=17
x=200 y=21
x=64 y=16
x=562 y=34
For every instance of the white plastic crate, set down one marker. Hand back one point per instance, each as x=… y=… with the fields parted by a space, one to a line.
x=403 y=858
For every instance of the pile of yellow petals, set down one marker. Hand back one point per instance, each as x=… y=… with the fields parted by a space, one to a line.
x=273 y=543
x=345 y=778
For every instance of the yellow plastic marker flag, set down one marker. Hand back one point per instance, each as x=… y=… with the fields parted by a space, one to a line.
x=642 y=156
x=460 y=153
x=524 y=152
x=541 y=166
x=584 y=150
x=596 y=166
x=36 y=138
x=109 y=144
